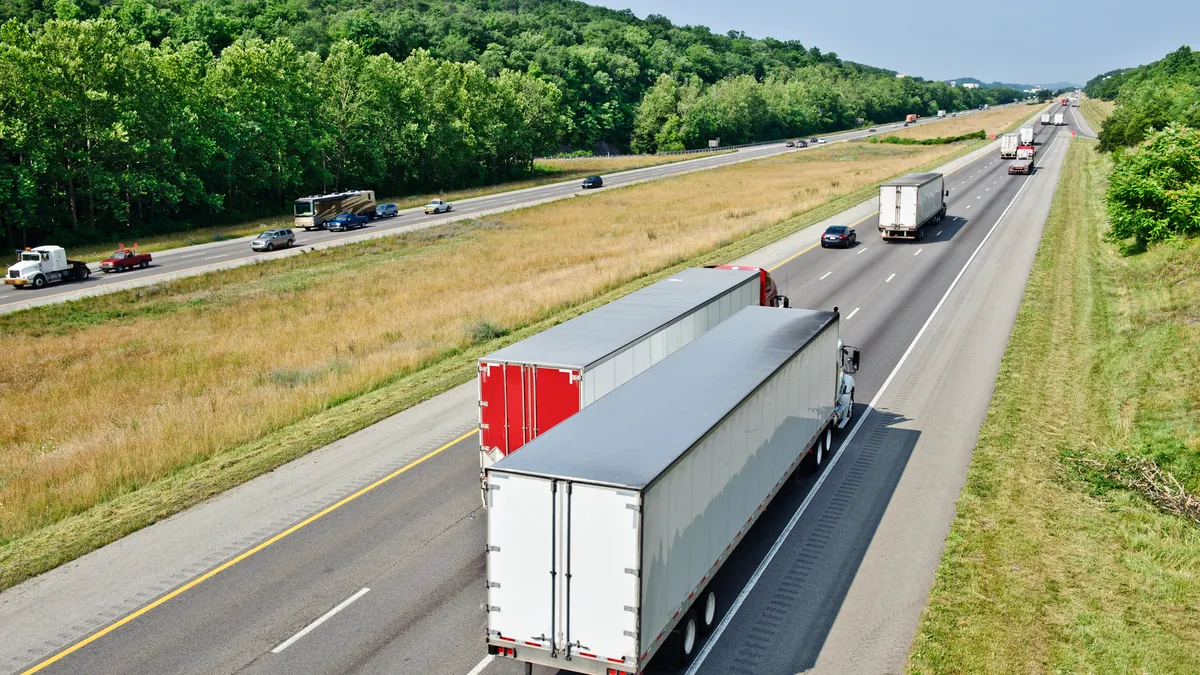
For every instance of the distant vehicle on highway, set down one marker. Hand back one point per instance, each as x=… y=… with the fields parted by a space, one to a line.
x=593 y=182
x=273 y=239
x=789 y=144
x=386 y=211
x=346 y=221
x=838 y=235
x=910 y=118
x=801 y=144
x=124 y=259
x=820 y=140
x=313 y=212
x=813 y=140
x=1022 y=167
x=909 y=203
x=872 y=129
x=43 y=265
x=438 y=206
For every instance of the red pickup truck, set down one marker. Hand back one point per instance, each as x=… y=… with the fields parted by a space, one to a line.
x=124 y=259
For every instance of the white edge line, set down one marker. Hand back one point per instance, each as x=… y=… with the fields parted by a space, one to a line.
x=921 y=249
x=825 y=275
x=787 y=531
x=893 y=276
x=481 y=665
x=861 y=252
x=324 y=617
x=851 y=314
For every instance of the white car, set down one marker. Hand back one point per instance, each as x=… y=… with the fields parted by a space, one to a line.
x=438 y=206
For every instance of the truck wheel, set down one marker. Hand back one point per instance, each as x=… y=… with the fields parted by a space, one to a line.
x=709 y=613
x=39 y=281
x=144 y=264
x=689 y=638
x=829 y=442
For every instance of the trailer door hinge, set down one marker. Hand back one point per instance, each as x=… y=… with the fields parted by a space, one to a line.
x=484 y=426
x=493 y=584
x=636 y=573
x=492 y=608
x=634 y=507
x=631 y=608
x=630 y=633
x=493 y=549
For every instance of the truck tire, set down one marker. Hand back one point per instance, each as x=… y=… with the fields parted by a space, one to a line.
x=39 y=281
x=709 y=612
x=689 y=639
x=144 y=264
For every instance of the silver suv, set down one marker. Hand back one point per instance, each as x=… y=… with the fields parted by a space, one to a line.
x=273 y=239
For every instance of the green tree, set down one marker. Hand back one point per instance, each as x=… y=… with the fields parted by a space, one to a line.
x=1154 y=191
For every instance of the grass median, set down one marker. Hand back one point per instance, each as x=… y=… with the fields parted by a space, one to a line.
x=152 y=399
x=546 y=171
x=1076 y=545
x=1095 y=111
x=992 y=122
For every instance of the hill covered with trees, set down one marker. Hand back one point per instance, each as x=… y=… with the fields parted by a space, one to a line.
x=137 y=116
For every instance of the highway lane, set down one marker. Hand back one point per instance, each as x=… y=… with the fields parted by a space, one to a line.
x=203 y=258
x=416 y=542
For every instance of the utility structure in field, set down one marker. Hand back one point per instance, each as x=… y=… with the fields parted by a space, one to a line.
x=315 y=211
x=527 y=388
x=605 y=533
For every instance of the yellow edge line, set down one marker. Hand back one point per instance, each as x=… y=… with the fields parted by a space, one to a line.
x=212 y=573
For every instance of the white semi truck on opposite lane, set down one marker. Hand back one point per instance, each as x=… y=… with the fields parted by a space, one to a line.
x=43 y=265
x=604 y=533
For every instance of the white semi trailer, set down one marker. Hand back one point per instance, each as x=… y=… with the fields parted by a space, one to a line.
x=910 y=202
x=605 y=532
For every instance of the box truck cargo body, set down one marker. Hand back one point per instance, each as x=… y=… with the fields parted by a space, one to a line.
x=528 y=387
x=908 y=203
x=1045 y=118
x=1008 y=146
x=1026 y=135
x=1059 y=120
x=604 y=533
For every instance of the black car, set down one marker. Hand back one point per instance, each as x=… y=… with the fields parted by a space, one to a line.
x=386 y=211
x=801 y=144
x=838 y=235
x=593 y=182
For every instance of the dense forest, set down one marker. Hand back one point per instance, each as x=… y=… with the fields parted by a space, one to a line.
x=137 y=116
x=1154 y=136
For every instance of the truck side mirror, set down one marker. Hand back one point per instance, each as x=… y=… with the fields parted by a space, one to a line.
x=782 y=301
x=850 y=356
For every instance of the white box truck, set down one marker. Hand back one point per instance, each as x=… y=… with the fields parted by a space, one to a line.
x=1045 y=118
x=528 y=387
x=36 y=267
x=910 y=202
x=604 y=534
x=1008 y=146
x=1025 y=135
x=1059 y=119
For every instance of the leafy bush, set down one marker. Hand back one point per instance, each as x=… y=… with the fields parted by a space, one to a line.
x=1154 y=191
x=940 y=140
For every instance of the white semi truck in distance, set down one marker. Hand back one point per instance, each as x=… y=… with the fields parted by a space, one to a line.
x=909 y=203
x=604 y=534
x=43 y=265
x=1008 y=146
x=1026 y=135
x=1059 y=119
x=1045 y=118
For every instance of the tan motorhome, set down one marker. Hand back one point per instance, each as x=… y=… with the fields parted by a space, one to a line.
x=313 y=212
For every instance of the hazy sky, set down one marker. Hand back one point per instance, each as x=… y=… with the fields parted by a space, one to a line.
x=1027 y=42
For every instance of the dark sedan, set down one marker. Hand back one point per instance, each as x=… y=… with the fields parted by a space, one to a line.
x=593 y=182
x=838 y=235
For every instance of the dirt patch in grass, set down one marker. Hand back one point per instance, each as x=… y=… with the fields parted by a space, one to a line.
x=223 y=376
x=1067 y=554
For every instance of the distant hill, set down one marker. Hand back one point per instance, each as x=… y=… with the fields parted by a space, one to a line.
x=1053 y=86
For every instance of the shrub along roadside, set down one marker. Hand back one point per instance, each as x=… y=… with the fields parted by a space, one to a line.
x=1073 y=549
x=940 y=140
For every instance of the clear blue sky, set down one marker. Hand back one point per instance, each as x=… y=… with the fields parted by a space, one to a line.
x=1070 y=40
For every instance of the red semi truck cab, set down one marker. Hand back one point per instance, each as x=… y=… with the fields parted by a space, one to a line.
x=770 y=296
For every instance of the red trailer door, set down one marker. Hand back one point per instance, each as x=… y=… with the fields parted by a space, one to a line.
x=492 y=407
x=557 y=397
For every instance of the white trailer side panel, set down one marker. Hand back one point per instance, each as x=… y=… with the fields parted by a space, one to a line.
x=604 y=548
x=623 y=366
x=929 y=201
x=521 y=536
x=696 y=512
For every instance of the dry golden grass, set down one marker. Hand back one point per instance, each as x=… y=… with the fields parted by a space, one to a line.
x=994 y=121
x=134 y=385
x=1095 y=111
x=547 y=171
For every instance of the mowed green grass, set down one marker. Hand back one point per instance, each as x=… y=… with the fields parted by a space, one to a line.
x=1057 y=561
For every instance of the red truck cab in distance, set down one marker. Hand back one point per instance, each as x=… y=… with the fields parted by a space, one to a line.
x=770 y=296
x=124 y=259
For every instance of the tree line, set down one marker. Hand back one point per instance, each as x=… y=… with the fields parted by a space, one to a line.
x=1154 y=137
x=138 y=116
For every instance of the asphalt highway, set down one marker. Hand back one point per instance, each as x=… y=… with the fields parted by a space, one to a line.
x=203 y=258
x=388 y=576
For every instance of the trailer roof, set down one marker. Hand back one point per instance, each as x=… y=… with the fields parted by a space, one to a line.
x=591 y=337
x=912 y=179
x=629 y=437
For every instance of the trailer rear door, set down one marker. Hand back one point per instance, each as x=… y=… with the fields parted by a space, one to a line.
x=557 y=392
x=521 y=559
x=603 y=573
x=889 y=205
